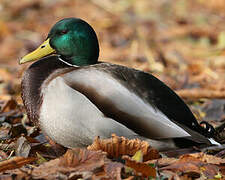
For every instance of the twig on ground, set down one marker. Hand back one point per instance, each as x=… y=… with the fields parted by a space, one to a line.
x=200 y=93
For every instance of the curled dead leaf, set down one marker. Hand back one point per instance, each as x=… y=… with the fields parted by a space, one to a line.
x=145 y=169
x=118 y=146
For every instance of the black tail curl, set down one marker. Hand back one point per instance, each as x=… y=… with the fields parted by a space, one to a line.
x=207 y=129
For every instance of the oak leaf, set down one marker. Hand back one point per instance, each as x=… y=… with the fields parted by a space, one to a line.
x=118 y=146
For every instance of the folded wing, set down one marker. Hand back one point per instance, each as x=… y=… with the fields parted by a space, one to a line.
x=136 y=99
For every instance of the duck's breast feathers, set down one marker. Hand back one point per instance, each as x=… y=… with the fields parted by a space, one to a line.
x=35 y=78
x=134 y=98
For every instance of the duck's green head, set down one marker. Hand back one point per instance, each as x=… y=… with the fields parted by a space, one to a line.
x=73 y=39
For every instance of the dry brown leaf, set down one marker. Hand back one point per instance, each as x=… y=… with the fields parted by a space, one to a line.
x=184 y=39
x=222 y=169
x=15 y=162
x=162 y=161
x=3 y=155
x=9 y=105
x=113 y=170
x=83 y=162
x=76 y=163
x=187 y=176
x=140 y=167
x=118 y=146
x=76 y=160
x=181 y=166
x=210 y=170
x=208 y=158
x=193 y=164
x=23 y=147
x=8 y=175
x=83 y=159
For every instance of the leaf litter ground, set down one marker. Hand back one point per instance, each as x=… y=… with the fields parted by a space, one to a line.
x=185 y=50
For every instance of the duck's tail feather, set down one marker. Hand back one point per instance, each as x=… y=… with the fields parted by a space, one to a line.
x=214 y=142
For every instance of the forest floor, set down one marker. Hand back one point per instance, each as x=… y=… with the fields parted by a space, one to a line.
x=181 y=42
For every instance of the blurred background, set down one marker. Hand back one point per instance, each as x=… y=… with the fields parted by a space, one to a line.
x=182 y=42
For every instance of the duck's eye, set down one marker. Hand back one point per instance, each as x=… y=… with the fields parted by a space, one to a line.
x=63 y=32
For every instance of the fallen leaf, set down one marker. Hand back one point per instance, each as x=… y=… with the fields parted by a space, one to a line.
x=82 y=162
x=210 y=170
x=162 y=161
x=145 y=169
x=15 y=162
x=208 y=158
x=199 y=93
x=22 y=147
x=113 y=170
x=118 y=146
x=9 y=105
x=81 y=157
x=193 y=164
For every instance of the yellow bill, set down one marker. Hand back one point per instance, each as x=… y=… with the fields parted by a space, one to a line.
x=43 y=50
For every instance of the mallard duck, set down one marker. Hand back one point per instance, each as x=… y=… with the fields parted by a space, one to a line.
x=73 y=98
